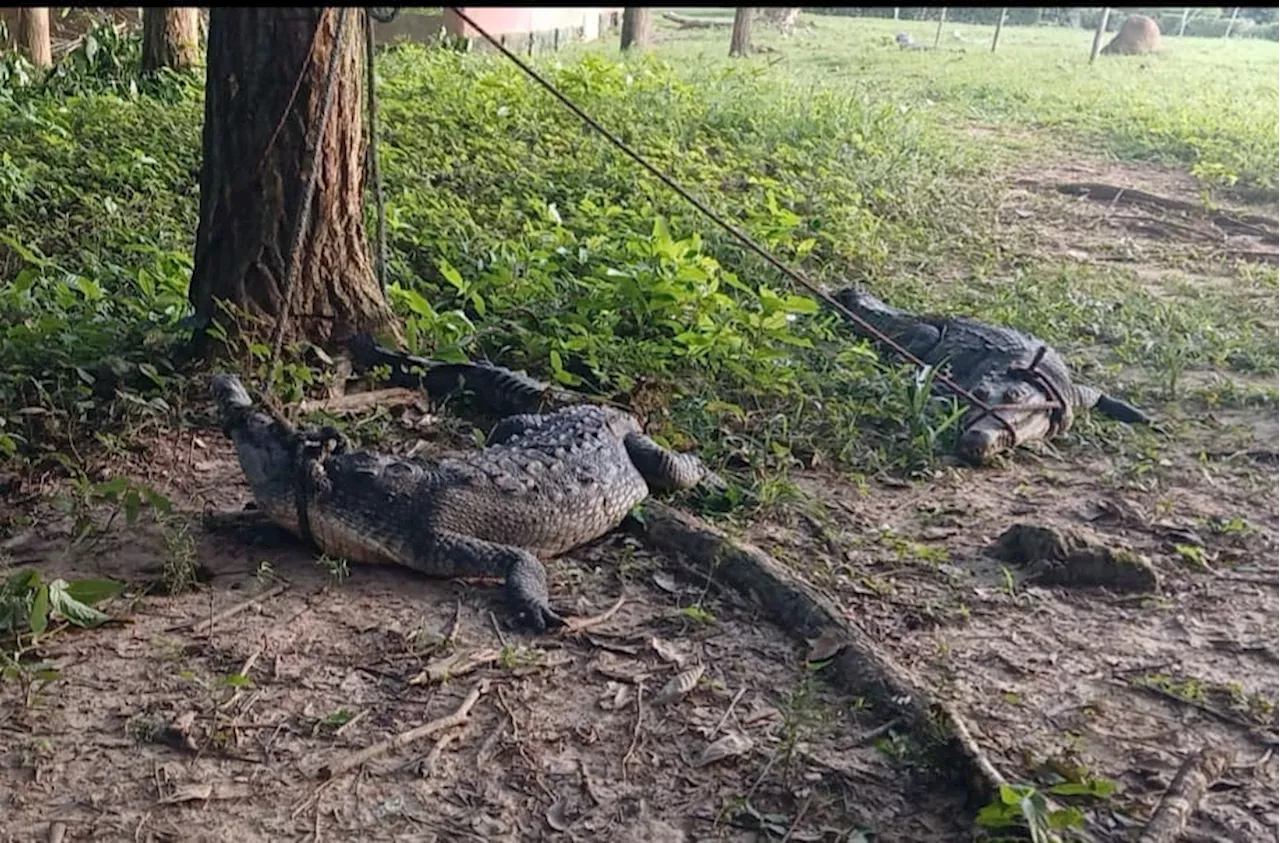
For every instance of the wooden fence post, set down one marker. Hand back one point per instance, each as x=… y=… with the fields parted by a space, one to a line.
x=942 y=18
x=1097 y=36
x=999 y=25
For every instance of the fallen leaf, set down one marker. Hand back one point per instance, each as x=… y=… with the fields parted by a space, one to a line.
x=666 y=582
x=729 y=746
x=668 y=652
x=680 y=684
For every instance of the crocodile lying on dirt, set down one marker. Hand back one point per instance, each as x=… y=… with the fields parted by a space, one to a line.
x=1017 y=372
x=544 y=485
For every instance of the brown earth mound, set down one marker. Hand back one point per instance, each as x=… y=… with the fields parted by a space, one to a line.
x=1139 y=34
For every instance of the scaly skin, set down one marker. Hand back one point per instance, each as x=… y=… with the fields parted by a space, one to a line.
x=546 y=484
x=979 y=358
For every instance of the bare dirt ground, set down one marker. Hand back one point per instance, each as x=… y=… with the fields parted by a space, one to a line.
x=143 y=737
x=1051 y=679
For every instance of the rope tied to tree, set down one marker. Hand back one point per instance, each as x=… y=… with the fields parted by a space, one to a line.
x=742 y=237
x=309 y=188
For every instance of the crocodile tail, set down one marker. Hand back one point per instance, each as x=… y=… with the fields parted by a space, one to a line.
x=232 y=400
x=1122 y=411
x=499 y=390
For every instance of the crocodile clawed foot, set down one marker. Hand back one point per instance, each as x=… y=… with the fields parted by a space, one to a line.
x=539 y=618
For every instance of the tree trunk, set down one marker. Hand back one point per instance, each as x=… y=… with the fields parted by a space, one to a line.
x=1182 y=27
x=637 y=27
x=252 y=184
x=170 y=37
x=740 y=41
x=33 y=24
x=995 y=39
x=1097 y=36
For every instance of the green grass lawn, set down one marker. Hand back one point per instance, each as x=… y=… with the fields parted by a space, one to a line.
x=520 y=235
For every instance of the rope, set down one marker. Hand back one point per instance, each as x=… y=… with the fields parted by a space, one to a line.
x=309 y=189
x=726 y=225
x=375 y=173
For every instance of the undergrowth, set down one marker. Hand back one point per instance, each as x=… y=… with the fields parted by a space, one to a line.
x=519 y=235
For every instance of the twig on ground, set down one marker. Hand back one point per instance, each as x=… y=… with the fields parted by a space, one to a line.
x=635 y=731
x=804 y=808
x=458 y=664
x=357 y=401
x=493 y=620
x=868 y=736
x=200 y=626
x=1197 y=773
x=457 y=718
x=583 y=624
x=353 y=721
x=452 y=637
x=442 y=743
x=728 y=711
x=1225 y=716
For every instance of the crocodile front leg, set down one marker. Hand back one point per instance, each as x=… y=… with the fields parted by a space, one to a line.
x=450 y=554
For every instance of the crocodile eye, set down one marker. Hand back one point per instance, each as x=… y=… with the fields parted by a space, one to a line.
x=982 y=394
x=1016 y=393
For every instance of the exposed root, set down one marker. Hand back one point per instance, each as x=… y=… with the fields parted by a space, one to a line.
x=859 y=666
x=1258 y=226
x=1179 y=802
x=457 y=718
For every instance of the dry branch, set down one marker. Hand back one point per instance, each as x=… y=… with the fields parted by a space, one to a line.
x=357 y=401
x=200 y=626
x=1258 y=226
x=1179 y=802
x=457 y=718
x=696 y=23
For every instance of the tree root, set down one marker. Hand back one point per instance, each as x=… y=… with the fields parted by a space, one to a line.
x=1179 y=802
x=1258 y=226
x=857 y=665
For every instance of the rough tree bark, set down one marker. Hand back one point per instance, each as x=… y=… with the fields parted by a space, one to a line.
x=637 y=27
x=33 y=26
x=252 y=184
x=740 y=40
x=170 y=37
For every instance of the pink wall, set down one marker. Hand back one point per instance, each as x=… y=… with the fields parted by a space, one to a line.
x=506 y=20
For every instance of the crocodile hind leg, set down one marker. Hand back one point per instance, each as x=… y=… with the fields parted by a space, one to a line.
x=661 y=469
x=449 y=554
x=1111 y=407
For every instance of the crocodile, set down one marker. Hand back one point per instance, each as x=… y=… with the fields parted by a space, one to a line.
x=544 y=484
x=1002 y=367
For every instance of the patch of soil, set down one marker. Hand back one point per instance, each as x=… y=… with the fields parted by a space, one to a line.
x=1056 y=680
x=143 y=737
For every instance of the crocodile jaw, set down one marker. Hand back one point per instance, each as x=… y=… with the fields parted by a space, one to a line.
x=986 y=436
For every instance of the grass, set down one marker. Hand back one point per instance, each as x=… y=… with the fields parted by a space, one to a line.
x=519 y=235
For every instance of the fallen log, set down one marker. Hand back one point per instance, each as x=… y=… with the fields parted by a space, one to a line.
x=697 y=23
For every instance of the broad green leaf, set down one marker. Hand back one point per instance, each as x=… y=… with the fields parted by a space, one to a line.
x=39 y=617
x=71 y=609
x=90 y=592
